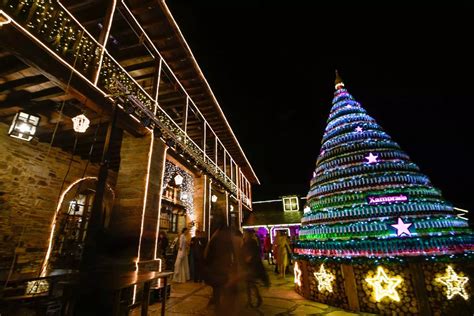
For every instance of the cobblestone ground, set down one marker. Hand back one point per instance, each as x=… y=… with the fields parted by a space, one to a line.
x=279 y=299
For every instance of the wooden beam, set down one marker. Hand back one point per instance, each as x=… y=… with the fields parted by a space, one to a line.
x=23 y=83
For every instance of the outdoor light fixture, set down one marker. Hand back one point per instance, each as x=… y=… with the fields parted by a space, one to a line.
x=80 y=123
x=231 y=208
x=24 y=126
x=178 y=180
x=214 y=198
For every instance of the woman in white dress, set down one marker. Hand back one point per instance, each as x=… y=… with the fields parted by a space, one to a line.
x=181 y=266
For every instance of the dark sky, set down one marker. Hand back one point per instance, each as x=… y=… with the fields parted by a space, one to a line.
x=271 y=66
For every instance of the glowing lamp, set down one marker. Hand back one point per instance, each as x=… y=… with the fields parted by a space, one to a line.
x=24 y=126
x=214 y=198
x=231 y=208
x=178 y=180
x=80 y=123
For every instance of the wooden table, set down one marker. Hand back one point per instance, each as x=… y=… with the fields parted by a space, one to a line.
x=118 y=282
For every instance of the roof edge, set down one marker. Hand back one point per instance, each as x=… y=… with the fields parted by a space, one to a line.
x=181 y=38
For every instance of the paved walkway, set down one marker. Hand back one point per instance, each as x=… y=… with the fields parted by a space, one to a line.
x=279 y=299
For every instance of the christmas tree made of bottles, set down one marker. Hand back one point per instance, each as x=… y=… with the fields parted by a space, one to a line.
x=369 y=200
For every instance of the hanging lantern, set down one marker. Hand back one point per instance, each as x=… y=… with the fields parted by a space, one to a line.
x=214 y=198
x=178 y=180
x=81 y=123
x=24 y=126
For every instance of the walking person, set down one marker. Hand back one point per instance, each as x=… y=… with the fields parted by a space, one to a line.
x=254 y=269
x=219 y=263
x=267 y=247
x=181 y=266
x=283 y=254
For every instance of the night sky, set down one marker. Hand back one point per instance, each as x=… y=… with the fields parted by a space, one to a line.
x=271 y=66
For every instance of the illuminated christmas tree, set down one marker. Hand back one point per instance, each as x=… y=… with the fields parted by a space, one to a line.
x=369 y=204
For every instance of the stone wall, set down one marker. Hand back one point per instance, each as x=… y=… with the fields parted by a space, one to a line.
x=126 y=223
x=30 y=186
x=419 y=292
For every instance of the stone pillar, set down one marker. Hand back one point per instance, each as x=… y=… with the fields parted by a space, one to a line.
x=201 y=202
x=135 y=219
x=218 y=208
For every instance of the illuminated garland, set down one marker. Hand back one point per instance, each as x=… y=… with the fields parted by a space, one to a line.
x=413 y=246
x=369 y=211
x=381 y=228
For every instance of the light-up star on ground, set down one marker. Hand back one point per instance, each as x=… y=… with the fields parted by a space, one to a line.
x=454 y=283
x=359 y=129
x=324 y=279
x=372 y=158
x=297 y=274
x=402 y=228
x=384 y=286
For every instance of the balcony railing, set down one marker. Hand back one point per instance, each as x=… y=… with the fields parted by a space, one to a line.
x=52 y=26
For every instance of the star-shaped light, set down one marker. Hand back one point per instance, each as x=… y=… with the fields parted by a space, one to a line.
x=402 y=228
x=384 y=286
x=372 y=158
x=455 y=284
x=359 y=129
x=324 y=279
x=297 y=272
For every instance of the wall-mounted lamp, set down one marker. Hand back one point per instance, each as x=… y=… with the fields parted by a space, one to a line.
x=214 y=198
x=24 y=126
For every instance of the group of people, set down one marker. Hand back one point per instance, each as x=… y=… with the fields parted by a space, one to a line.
x=189 y=262
x=228 y=262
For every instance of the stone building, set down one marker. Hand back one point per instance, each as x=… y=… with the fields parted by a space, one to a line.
x=109 y=133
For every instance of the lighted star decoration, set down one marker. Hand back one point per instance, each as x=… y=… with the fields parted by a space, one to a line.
x=384 y=286
x=402 y=228
x=456 y=284
x=297 y=272
x=359 y=129
x=324 y=279
x=372 y=158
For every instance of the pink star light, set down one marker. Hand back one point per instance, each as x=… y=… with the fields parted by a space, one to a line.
x=372 y=158
x=402 y=228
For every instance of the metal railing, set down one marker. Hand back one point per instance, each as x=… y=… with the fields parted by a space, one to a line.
x=50 y=24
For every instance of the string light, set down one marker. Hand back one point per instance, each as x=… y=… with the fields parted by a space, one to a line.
x=324 y=279
x=297 y=272
x=456 y=285
x=384 y=286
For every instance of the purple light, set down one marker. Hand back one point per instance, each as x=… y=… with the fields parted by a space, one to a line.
x=387 y=199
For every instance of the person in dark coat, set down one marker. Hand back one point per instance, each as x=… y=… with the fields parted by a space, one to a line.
x=219 y=262
x=253 y=266
x=162 y=244
x=196 y=252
